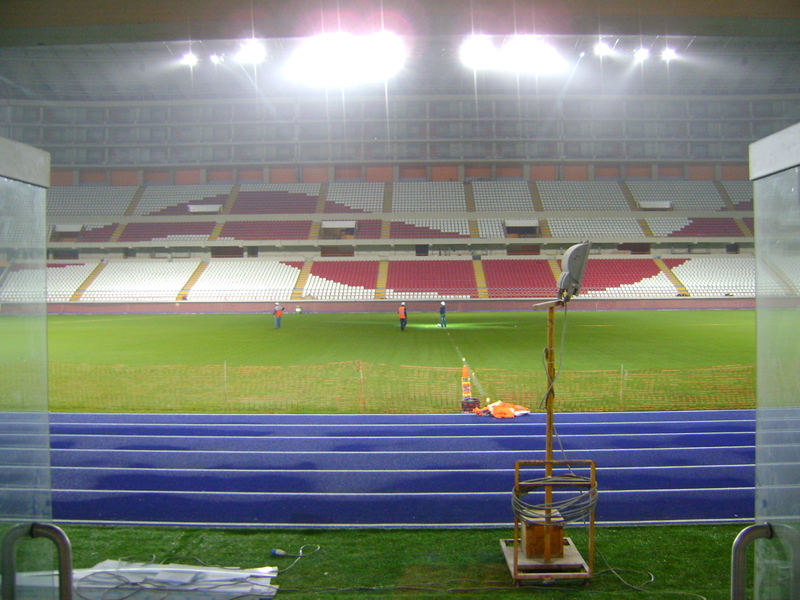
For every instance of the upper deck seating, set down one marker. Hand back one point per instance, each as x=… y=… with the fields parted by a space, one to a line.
x=741 y=193
x=276 y=198
x=595 y=228
x=368 y=229
x=363 y=197
x=695 y=227
x=168 y=232
x=89 y=200
x=682 y=195
x=430 y=228
x=428 y=196
x=491 y=228
x=176 y=199
x=504 y=196
x=582 y=195
x=265 y=230
x=97 y=232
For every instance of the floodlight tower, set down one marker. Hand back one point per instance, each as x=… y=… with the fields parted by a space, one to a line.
x=539 y=549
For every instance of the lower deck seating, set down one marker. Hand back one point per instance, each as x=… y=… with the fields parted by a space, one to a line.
x=342 y=280
x=63 y=279
x=248 y=279
x=716 y=276
x=140 y=281
x=431 y=279
x=519 y=278
x=625 y=278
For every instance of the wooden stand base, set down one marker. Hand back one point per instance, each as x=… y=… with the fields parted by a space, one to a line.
x=569 y=566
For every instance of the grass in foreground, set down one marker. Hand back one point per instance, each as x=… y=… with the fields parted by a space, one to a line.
x=655 y=563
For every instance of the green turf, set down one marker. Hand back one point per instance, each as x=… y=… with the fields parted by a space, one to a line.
x=657 y=563
x=609 y=340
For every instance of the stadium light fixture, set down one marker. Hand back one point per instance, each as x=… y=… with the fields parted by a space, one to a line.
x=641 y=55
x=189 y=59
x=573 y=264
x=251 y=52
x=477 y=53
x=518 y=54
x=602 y=49
x=530 y=54
x=344 y=59
x=669 y=54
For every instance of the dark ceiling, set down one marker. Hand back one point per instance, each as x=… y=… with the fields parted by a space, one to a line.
x=83 y=50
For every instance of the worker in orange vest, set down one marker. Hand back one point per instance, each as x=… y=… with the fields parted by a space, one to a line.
x=277 y=313
x=401 y=312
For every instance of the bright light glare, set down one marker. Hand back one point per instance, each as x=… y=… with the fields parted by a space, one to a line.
x=602 y=49
x=342 y=59
x=216 y=59
x=478 y=53
x=189 y=59
x=251 y=52
x=641 y=55
x=669 y=54
x=519 y=54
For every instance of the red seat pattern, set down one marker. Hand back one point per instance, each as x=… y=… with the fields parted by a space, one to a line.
x=368 y=230
x=338 y=207
x=266 y=230
x=273 y=203
x=183 y=207
x=445 y=277
x=98 y=234
x=517 y=278
x=709 y=227
x=359 y=273
x=402 y=230
x=602 y=274
x=143 y=232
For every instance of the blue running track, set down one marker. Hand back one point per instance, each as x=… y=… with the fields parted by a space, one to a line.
x=390 y=470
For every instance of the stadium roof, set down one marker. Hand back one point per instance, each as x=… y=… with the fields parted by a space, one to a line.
x=101 y=50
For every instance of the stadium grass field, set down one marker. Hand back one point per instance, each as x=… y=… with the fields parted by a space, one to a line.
x=241 y=363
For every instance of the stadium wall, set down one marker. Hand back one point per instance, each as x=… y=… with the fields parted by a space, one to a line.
x=415 y=306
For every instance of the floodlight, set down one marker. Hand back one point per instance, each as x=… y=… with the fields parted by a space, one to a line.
x=251 y=52
x=641 y=55
x=572 y=267
x=530 y=54
x=341 y=59
x=477 y=52
x=669 y=54
x=216 y=58
x=602 y=49
x=189 y=59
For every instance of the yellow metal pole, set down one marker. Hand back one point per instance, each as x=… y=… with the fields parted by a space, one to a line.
x=550 y=361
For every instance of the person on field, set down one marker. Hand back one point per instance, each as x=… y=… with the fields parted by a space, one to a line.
x=403 y=314
x=442 y=315
x=277 y=313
